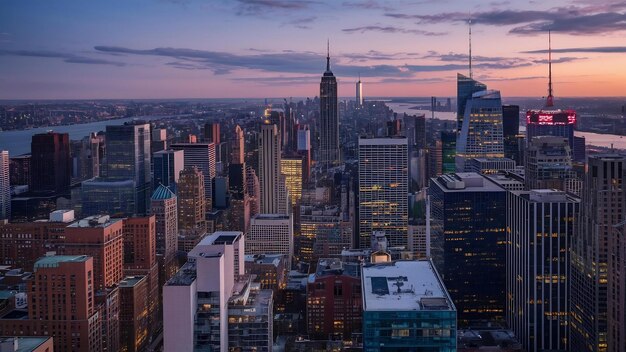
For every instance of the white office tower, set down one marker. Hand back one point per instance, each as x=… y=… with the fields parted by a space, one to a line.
x=269 y=168
x=383 y=188
x=5 y=186
x=271 y=234
x=540 y=229
x=208 y=290
x=481 y=132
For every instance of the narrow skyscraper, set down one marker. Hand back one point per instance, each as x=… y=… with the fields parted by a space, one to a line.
x=359 y=92
x=540 y=227
x=5 y=186
x=329 y=118
x=269 y=168
x=383 y=188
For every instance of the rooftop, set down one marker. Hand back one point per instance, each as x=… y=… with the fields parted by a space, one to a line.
x=334 y=266
x=25 y=344
x=270 y=259
x=395 y=140
x=53 y=261
x=465 y=182
x=131 y=281
x=162 y=192
x=95 y=221
x=221 y=237
x=185 y=276
x=404 y=286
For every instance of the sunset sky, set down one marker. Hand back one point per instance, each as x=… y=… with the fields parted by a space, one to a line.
x=276 y=48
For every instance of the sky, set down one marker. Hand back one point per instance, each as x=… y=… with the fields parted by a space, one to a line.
x=142 y=49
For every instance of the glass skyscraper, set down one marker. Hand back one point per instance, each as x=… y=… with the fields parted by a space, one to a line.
x=481 y=132
x=465 y=87
x=468 y=243
x=406 y=308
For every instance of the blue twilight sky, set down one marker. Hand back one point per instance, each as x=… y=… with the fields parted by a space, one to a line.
x=276 y=48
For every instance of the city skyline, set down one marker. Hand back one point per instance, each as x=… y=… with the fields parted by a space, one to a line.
x=194 y=49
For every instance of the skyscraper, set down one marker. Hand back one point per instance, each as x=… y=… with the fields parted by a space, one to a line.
x=85 y=158
x=468 y=243
x=60 y=304
x=164 y=206
x=211 y=307
x=402 y=301
x=602 y=212
x=202 y=156
x=540 y=228
x=237 y=145
x=448 y=151
x=167 y=167
x=548 y=163
x=212 y=132
x=329 y=153
x=5 y=186
x=269 y=168
x=124 y=186
x=291 y=168
x=191 y=203
x=271 y=234
x=465 y=88
x=51 y=167
x=383 y=188
x=480 y=135
x=359 y=92
x=510 y=131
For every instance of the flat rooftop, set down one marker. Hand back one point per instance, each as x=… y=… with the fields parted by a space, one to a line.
x=53 y=261
x=465 y=182
x=185 y=276
x=269 y=259
x=95 y=221
x=403 y=286
x=26 y=343
x=131 y=281
x=221 y=237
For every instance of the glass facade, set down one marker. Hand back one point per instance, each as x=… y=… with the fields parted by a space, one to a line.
x=468 y=246
x=465 y=87
x=448 y=151
x=423 y=331
x=115 y=198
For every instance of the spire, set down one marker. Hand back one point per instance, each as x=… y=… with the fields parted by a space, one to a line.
x=550 y=100
x=359 y=76
x=328 y=55
x=470 y=44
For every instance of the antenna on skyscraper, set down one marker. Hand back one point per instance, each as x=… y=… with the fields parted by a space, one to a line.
x=550 y=100
x=470 y=44
x=327 y=54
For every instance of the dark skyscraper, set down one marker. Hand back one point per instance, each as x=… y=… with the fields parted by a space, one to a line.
x=329 y=117
x=51 y=168
x=448 y=151
x=468 y=243
x=212 y=132
x=465 y=87
x=510 y=130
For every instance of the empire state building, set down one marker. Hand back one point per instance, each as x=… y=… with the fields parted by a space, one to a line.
x=329 y=118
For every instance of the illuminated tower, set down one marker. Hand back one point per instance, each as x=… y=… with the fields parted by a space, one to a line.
x=359 y=92
x=191 y=203
x=383 y=188
x=329 y=118
x=5 y=187
x=481 y=131
x=550 y=121
x=269 y=168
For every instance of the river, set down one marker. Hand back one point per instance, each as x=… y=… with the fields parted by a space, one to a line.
x=18 y=142
x=595 y=139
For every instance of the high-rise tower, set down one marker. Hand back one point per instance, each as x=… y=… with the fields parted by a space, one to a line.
x=51 y=166
x=5 y=187
x=329 y=118
x=359 y=92
x=269 y=168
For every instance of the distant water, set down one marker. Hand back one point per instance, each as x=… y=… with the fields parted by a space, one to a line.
x=595 y=139
x=18 y=142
